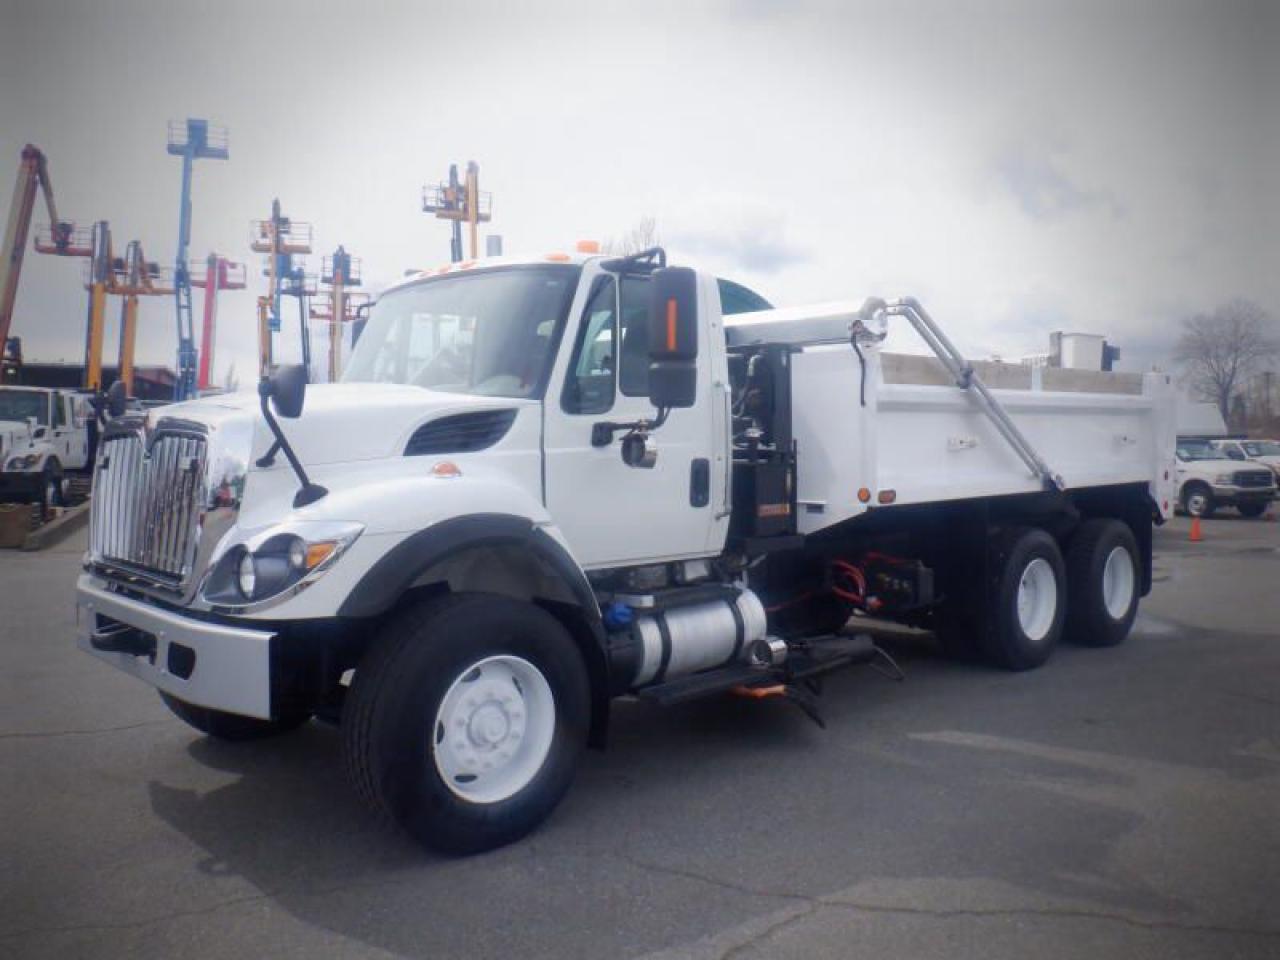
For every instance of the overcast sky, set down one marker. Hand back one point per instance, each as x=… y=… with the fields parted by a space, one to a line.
x=1022 y=167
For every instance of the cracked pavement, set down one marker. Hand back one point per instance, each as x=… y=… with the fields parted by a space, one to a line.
x=1116 y=803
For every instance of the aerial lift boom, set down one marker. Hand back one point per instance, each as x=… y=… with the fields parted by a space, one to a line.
x=63 y=239
x=220 y=274
x=135 y=276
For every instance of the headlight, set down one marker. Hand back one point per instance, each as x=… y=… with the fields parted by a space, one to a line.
x=22 y=462
x=276 y=562
x=1222 y=478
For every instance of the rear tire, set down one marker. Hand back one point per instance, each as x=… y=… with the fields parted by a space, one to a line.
x=1027 y=604
x=1103 y=578
x=466 y=719
x=1252 y=510
x=231 y=726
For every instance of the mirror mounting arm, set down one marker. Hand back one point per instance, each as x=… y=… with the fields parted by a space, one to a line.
x=309 y=492
x=602 y=432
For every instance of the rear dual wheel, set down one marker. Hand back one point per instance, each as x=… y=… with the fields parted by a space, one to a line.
x=1103 y=583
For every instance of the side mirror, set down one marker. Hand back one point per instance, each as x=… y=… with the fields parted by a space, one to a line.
x=673 y=338
x=39 y=433
x=287 y=388
x=117 y=399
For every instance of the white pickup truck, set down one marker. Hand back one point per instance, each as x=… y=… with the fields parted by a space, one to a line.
x=44 y=435
x=1210 y=477
x=546 y=483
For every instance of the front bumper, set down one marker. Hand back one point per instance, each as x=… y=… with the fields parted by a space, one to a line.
x=1232 y=494
x=208 y=664
x=17 y=487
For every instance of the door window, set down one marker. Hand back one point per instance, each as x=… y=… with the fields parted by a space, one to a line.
x=589 y=386
x=59 y=411
x=633 y=369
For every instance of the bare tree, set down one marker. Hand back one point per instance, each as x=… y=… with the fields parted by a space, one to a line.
x=640 y=237
x=1218 y=352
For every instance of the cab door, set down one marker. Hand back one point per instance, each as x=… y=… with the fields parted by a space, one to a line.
x=610 y=513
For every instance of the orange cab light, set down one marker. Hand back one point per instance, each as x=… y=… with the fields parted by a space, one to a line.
x=467 y=265
x=588 y=246
x=557 y=257
x=887 y=496
x=445 y=269
x=446 y=470
x=864 y=495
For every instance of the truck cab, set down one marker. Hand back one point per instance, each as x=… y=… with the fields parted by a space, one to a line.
x=45 y=434
x=547 y=482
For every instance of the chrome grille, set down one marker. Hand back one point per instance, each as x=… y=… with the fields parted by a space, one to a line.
x=1253 y=478
x=145 y=511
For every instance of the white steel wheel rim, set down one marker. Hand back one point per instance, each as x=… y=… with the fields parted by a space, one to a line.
x=1196 y=503
x=1118 y=578
x=1037 y=599
x=494 y=729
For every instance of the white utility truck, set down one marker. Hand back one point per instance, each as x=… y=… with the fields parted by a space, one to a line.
x=44 y=436
x=545 y=483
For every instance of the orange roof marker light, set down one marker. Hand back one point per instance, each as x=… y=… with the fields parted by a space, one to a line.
x=467 y=265
x=864 y=495
x=558 y=257
x=588 y=246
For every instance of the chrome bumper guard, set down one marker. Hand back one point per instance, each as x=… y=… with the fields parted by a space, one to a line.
x=208 y=664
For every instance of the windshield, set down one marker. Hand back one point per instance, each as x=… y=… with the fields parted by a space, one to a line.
x=20 y=404
x=489 y=333
x=1262 y=448
x=1200 y=452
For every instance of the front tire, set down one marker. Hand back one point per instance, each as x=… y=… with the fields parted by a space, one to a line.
x=53 y=491
x=466 y=719
x=231 y=726
x=1197 y=501
x=1028 y=601
x=1103 y=577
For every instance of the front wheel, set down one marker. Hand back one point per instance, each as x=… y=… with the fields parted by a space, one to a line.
x=53 y=488
x=1197 y=501
x=1252 y=509
x=465 y=721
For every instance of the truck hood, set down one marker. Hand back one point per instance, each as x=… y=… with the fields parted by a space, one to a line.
x=344 y=422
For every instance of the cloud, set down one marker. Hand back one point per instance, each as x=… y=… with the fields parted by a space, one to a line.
x=1034 y=177
x=737 y=233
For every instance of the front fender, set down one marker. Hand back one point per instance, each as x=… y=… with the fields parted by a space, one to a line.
x=413 y=522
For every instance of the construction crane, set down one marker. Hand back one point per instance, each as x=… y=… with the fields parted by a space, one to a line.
x=219 y=274
x=282 y=238
x=134 y=276
x=59 y=237
x=193 y=139
x=339 y=271
x=460 y=202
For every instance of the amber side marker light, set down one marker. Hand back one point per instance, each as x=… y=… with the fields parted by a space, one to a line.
x=864 y=495
x=445 y=470
x=557 y=257
x=588 y=246
x=886 y=496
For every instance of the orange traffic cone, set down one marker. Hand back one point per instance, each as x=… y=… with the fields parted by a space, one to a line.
x=1196 y=537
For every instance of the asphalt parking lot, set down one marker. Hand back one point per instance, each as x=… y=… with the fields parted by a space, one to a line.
x=1118 y=803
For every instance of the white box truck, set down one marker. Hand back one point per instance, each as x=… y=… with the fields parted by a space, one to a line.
x=549 y=482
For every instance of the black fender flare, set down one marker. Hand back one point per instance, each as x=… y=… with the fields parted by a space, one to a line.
x=388 y=579
x=386 y=582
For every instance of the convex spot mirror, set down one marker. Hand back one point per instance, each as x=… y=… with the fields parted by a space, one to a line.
x=117 y=399
x=673 y=338
x=287 y=388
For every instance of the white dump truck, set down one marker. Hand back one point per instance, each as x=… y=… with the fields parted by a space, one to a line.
x=45 y=436
x=546 y=483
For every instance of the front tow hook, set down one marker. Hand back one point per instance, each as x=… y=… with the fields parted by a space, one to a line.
x=122 y=638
